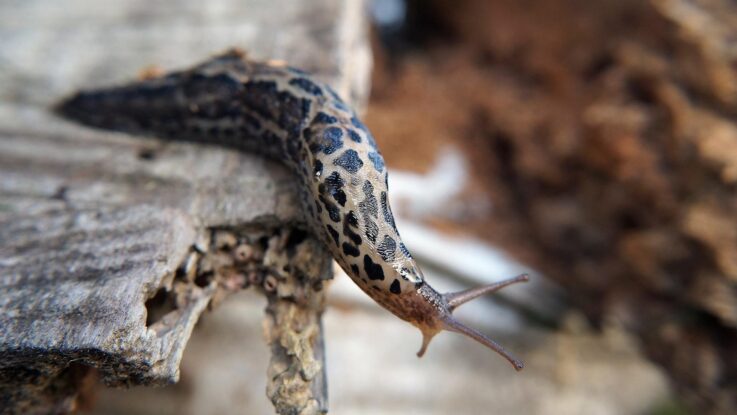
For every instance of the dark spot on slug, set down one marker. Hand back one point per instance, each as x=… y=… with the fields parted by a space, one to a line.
x=306 y=105
x=377 y=161
x=350 y=250
x=293 y=150
x=317 y=170
x=334 y=185
x=349 y=160
x=373 y=270
x=332 y=209
x=354 y=136
x=286 y=110
x=355 y=270
x=306 y=85
x=386 y=248
x=323 y=118
x=386 y=211
x=369 y=206
x=358 y=124
x=372 y=230
x=404 y=250
x=251 y=121
x=333 y=212
x=269 y=138
x=307 y=133
x=340 y=197
x=333 y=233
x=315 y=148
x=394 y=288
x=332 y=140
x=351 y=221
x=333 y=133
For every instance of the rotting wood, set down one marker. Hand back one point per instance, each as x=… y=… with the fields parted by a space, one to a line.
x=109 y=247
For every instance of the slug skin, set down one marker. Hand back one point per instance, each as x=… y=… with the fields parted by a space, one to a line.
x=284 y=114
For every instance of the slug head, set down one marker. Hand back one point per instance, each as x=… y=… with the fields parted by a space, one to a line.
x=443 y=306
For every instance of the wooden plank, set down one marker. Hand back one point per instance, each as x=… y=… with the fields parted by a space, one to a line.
x=94 y=224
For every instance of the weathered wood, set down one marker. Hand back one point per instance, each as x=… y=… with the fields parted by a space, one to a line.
x=74 y=284
x=94 y=224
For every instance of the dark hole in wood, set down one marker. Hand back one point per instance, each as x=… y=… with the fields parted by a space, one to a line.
x=158 y=306
x=296 y=237
x=264 y=242
x=203 y=280
x=61 y=193
x=147 y=154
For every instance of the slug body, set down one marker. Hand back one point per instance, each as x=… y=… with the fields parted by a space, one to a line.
x=288 y=116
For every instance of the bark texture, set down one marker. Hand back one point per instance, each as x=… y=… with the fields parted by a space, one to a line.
x=111 y=246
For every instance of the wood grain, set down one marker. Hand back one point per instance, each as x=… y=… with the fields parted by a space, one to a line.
x=93 y=224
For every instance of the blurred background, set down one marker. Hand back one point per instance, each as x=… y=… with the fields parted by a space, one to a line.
x=590 y=143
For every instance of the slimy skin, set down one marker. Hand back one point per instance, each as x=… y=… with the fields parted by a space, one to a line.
x=284 y=114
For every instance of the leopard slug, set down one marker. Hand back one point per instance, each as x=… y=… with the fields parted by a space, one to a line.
x=284 y=114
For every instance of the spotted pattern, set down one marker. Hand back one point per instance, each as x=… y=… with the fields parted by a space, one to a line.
x=284 y=114
x=386 y=248
x=323 y=118
x=334 y=186
x=350 y=224
x=368 y=205
x=306 y=85
x=377 y=161
x=373 y=270
x=349 y=160
x=333 y=233
x=404 y=250
x=350 y=250
x=357 y=138
x=332 y=140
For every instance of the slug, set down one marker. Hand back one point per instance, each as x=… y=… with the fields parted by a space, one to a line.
x=284 y=114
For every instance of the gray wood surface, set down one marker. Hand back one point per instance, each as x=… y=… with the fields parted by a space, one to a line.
x=93 y=224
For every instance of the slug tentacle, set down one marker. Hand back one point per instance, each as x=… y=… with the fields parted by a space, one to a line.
x=459 y=298
x=452 y=324
x=448 y=302
x=287 y=115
